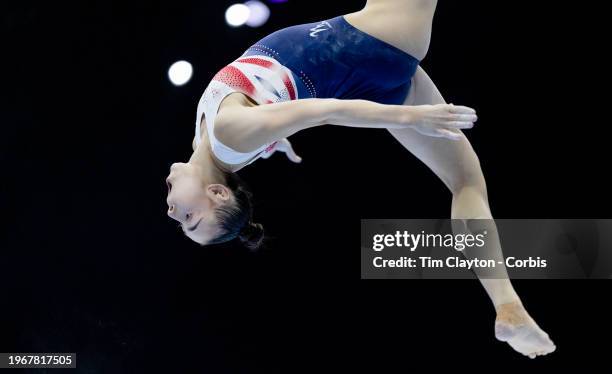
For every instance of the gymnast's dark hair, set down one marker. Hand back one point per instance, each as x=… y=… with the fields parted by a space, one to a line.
x=236 y=220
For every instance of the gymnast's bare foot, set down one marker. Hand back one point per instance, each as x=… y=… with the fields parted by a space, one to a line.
x=514 y=326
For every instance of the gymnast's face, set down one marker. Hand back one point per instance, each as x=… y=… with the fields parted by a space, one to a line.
x=192 y=202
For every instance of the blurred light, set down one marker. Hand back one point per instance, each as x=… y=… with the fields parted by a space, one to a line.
x=180 y=73
x=259 y=13
x=237 y=15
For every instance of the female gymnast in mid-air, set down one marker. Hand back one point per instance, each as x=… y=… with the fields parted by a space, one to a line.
x=357 y=70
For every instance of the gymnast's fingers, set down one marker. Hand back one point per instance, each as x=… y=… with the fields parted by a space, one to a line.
x=459 y=124
x=460 y=109
x=463 y=117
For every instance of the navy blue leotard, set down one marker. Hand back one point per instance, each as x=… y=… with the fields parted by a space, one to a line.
x=327 y=59
x=332 y=58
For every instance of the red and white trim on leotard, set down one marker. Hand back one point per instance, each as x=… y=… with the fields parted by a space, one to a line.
x=262 y=78
x=266 y=64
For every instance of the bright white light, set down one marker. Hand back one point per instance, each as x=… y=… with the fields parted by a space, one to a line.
x=180 y=73
x=259 y=13
x=237 y=15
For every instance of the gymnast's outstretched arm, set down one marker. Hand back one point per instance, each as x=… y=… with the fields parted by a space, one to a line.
x=245 y=128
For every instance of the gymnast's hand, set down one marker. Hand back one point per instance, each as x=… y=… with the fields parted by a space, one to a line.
x=285 y=146
x=442 y=120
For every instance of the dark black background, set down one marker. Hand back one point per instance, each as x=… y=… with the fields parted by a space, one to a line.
x=91 y=264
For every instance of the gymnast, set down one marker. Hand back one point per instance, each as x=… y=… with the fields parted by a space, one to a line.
x=358 y=70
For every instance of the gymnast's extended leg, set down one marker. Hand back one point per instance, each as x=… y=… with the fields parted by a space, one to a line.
x=456 y=164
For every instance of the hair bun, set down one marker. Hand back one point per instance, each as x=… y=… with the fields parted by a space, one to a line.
x=252 y=235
